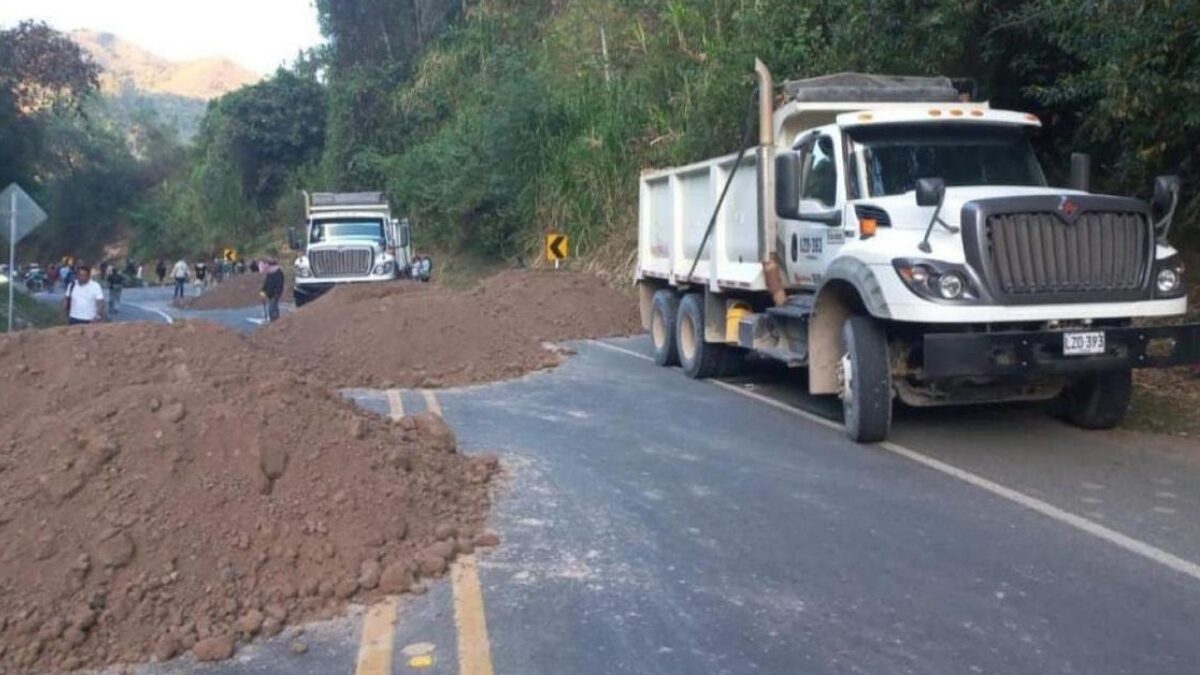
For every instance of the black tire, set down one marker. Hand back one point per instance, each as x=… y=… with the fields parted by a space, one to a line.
x=867 y=401
x=699 y=359
x=664 y=312
x=300 y=299
x=1098 y=400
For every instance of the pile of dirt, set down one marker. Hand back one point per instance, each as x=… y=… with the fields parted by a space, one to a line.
x=234 y=292
x=166 y=489
x=555 y=306
x=414 y=335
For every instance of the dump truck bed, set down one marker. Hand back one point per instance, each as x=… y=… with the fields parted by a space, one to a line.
x=675 y=207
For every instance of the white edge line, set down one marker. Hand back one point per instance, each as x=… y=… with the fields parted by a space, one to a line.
x=1135 y=546
x=159 y=312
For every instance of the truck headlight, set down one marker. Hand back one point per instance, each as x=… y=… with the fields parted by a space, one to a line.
x=301 y=267
x=938 y=281
x=1168 y=281
x=385 y=268
x=951 y=285
x=1168 y=278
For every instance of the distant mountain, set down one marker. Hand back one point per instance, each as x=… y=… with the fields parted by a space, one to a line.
x=178 y=91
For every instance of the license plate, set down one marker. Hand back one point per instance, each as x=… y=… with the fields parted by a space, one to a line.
x=1083 y=344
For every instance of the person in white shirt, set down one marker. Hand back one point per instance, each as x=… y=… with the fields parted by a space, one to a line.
x=180 y=272
x=84 y=299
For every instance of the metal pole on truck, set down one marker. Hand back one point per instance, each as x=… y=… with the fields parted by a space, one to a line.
x=12 y=254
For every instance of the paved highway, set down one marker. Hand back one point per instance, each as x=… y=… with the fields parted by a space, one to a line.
x=654 y=524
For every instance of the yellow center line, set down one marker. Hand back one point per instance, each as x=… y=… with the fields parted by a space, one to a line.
x=431 y=403
x=474 y=648
x=395 y=404
x=378 y=638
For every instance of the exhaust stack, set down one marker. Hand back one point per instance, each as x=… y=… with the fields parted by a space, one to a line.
x=767 y=219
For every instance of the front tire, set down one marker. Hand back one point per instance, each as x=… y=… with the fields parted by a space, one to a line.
x=1098 y=400
x=664 y=312
x=697 y=358
x=866 y=380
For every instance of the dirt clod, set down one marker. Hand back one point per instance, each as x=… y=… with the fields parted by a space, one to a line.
x=216 y=648
x=486 y=540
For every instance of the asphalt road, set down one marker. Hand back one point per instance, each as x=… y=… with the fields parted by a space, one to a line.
x=654 y=524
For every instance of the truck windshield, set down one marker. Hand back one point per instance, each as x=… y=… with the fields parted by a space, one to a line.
x=894 y=156
x=347 y=228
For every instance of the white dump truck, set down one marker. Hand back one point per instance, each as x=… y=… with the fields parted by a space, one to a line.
x=898 y=241
x=347 y=238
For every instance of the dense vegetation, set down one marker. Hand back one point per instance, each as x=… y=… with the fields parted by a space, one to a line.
x=490 y=121
x=58 y=141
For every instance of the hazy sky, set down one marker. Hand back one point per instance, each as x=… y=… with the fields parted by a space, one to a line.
x=259 y=34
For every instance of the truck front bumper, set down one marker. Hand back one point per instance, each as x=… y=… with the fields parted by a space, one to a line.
x=1041 y=352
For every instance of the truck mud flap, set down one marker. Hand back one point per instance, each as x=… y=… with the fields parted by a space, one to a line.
x=1041 y=352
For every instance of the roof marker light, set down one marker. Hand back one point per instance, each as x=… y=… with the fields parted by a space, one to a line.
x=934 y=112
x=955 y=112
x=976 y=113
x=866 y=117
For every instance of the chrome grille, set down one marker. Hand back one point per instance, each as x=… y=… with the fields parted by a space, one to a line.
x=1039 y=254
x=340 y=262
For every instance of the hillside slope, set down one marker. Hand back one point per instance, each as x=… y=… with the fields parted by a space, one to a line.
x=127 y=65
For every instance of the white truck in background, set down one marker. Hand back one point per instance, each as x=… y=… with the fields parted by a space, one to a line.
x=347 y=238
x=900 y=242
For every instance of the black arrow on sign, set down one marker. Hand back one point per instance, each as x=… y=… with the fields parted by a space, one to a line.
x=556 y=247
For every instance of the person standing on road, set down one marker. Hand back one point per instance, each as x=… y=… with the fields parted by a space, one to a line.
x=116 y=285
x=83 y=301
x=180 y=273
x=272 y=289
x=201 y=273
x=160 y=270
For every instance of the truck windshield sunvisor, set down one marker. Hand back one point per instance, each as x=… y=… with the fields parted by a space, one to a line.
x=355 y=228
x=894 y=156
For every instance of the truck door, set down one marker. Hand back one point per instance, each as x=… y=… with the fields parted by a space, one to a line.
x=818 y=235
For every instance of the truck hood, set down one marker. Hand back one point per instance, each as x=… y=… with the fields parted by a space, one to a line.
x=905 y=214
x=346 y=243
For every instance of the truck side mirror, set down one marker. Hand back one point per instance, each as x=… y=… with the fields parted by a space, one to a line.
x=787 y=185
x=293 y=239
x=1081 y=171
x=1166 y=193
x=1166 y=198
x=930 y=191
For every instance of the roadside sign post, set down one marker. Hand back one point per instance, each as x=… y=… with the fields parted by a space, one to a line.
x=12 y=254
x=557 y=248
x=24 y=215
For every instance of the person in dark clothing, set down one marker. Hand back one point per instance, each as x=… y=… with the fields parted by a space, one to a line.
x=116 y=284
x=272 y=289
x=160 y=270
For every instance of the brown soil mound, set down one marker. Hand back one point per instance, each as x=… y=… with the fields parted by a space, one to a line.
x=165 y=488
x=407 y=334
x=233 y=293
x=555 y=306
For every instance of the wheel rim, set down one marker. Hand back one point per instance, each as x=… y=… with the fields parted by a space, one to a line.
x=687 y=338
x=845 y=374
x=658 y=329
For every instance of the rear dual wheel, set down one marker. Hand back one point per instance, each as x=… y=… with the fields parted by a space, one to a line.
x=677 y=331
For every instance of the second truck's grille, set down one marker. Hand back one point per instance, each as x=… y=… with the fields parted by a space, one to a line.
x=1036 y=254
x=341 y=263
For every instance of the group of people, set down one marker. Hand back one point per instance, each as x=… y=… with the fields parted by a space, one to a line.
x=421 y=268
